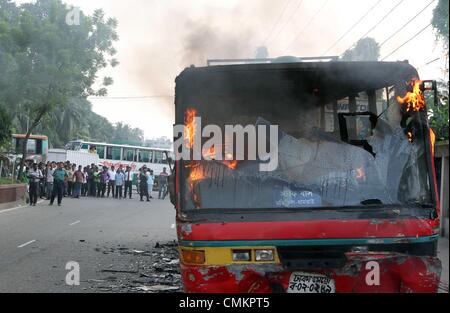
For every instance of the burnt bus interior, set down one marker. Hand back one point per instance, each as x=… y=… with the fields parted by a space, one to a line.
x=344 y=140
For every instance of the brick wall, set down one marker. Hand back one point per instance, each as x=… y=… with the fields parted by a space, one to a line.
x=12 y=193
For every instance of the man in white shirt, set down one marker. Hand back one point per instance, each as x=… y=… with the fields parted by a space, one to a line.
x=112 y=182
x=35 y=176
x=49 y=179
x=128 y=182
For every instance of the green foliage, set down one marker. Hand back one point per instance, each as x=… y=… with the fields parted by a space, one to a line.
x=366 y=49
x=438 y=112
x=46 y=63
x=5 y=127
x=440 y=21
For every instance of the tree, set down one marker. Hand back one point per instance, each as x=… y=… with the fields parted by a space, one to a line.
x=366 y=49
x=51 y=61
x=438 y=113
x=5 y=127
x=440 y=21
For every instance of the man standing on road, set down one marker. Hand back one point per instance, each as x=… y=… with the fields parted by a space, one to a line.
x=35 y=176
x=95 y=181
x=42 y=181
x=49 y=179
x=120 y=177
x=150 y=182
x=70 y=170
x=162 y=183
x=60 y=176
x=143 y=186
x=128 y=182
x=78 y=181
x=112 y=182
x=104 y=180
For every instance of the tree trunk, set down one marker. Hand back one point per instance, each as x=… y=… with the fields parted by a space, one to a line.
x=36 y=122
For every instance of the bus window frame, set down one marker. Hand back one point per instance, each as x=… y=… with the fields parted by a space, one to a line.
x=112 y=154
x=104 y=151
x=124 y=154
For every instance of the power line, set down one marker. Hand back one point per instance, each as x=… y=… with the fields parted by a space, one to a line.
x=129 y=97
x=306 y=25
x=351 y=28
x=418 y=33
x=407 y=23
x=378 y=23
x=278 y=20
x=294 y=12
x=428 y=63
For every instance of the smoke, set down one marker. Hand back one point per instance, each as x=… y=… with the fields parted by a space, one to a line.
x=206 y=41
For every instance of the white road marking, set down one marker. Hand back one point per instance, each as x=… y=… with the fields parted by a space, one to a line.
x=19 y=207
x=74 y=223
x=27 y=243
x=173 y=226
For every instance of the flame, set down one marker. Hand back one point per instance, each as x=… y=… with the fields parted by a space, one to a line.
x=190 y=125
x=210 y=154
x=433 y=141
x=360 y=173
x=410 y=136
x=196 y=174
x=415 y=100
x=231 y=164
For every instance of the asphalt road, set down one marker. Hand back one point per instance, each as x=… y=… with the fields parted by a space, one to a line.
x=112 y=241
x=120 y=246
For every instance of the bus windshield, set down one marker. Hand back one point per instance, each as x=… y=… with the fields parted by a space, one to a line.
x=360 y=150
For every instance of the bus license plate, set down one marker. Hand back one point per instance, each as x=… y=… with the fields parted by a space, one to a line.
x=310 y=283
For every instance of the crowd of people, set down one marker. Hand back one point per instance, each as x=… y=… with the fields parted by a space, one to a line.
x=54 y=181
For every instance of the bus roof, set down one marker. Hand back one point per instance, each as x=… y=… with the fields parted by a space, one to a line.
x=327 y=81
x=38 y=137
x=119 y=146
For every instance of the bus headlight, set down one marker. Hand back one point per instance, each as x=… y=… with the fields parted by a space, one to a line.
x=241 y=255
x=264 y=255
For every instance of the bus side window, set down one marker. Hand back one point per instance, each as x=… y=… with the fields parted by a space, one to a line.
x=38 y=146
x=144 y=156
x=101 y=152
x=113 y=153
x=160 y=157
x=128 y=154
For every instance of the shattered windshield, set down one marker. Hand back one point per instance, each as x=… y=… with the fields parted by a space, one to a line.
x=361 y=150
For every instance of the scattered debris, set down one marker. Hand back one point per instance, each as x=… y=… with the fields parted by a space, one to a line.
x=152 y=269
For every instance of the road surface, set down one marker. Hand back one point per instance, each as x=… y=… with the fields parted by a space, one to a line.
x=110 y=239
x=120 y=246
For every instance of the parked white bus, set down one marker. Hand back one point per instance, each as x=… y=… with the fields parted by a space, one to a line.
x=125 y=155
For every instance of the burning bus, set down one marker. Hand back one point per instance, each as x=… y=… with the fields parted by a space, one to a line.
x=351 y=205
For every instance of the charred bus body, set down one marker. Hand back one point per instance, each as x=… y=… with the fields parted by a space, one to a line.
x=352 y=205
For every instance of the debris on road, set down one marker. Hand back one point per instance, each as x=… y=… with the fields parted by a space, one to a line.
x=153 y=269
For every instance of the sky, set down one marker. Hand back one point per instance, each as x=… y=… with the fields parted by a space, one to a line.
x=159 y=38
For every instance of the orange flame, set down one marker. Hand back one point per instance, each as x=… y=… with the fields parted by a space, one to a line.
x=360 y=173
x=190 y=125
x=196 y=174
x=231 y=164
x=433 y=141
x=410 y=136
x=415 y=100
